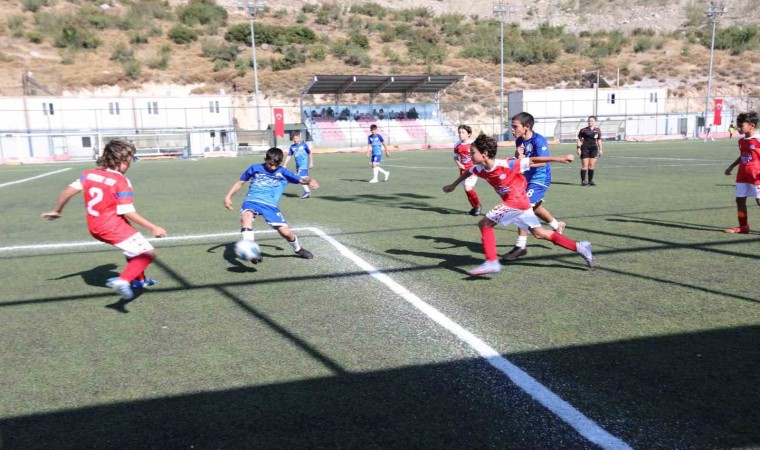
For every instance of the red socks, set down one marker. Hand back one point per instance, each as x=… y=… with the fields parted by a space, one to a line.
x=488 y=238
x=743 y=221
x=136 y=266
x=563 y=241
x=472 y=197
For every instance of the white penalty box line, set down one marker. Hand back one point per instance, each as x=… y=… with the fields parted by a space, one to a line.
x=24 y=180
x=540 y=393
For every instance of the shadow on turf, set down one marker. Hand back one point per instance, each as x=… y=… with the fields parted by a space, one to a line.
x=97 y=276
x=690 y=390
x=660 y=223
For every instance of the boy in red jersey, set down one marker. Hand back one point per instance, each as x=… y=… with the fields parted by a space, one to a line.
x=464 y=161
x=505 y=175
x=110 y=209
x=748 y=176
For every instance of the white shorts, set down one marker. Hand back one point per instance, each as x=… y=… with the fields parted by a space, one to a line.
x=470 y=181
x=134 y=245
x=747 y=190
x=523 y=218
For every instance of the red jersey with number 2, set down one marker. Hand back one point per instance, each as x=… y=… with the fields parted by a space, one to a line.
x=507 y=180
x=107 y=196
x=749 y=160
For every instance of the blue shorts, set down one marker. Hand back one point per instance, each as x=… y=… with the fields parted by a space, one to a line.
x=271 y=214
x=375 y=159
x=536 y=193
x=303 y=171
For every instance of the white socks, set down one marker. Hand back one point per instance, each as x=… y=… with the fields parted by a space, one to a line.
x=296 y=246
x=522 y=241
x=554 y=224
x=247 y=235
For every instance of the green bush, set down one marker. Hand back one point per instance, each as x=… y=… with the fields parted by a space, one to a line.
x=217 y=50
x=122 y=53
x=317 y=52
x=182 y=35
x=293 y=57
x=35 y=37
x=220 y=65
x=572 y=44
x=323 y=17
x=74 y=34
x=138 y=37
x=95 y=17
x=271 y=34
x=734 y=38
x=642 y=32
x=157 y=9
x=301 y=18
x=642 y=44
x=34 y=5
x=309 y=8
x=242 y=65
x=160 y=60
x=408 y=15
x=358 y=39
x=357 y=56
x=339 y=48
x=16 y=25
x=369 y=9
x=202 y=12
x=546 y=30
x=44 y=21
x=132 y=68
x=428 y=52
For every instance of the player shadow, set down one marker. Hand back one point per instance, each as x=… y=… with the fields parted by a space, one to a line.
x=228 y=253
x=97 y=276
x=659 y=223
x=355 y=180
x=471 y=246
x=121 y=304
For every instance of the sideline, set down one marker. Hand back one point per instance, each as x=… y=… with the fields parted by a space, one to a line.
x=35 y=177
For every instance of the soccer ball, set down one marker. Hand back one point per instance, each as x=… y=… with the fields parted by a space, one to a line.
x=248 y=251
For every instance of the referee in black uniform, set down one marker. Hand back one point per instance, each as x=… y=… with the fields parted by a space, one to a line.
x=589 y=148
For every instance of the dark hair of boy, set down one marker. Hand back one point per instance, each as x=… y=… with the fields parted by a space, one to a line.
x=466 y=128
x=750 y=117
x=525 y=119
x=372 y=127
x=274 y=155
x=486 y=145
x=115 y=153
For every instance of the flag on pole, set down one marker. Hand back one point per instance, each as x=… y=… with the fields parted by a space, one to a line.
x=279 y=122
x=718 y=111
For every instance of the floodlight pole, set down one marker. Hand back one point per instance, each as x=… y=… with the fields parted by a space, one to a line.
x=255 y=6
x=713 y=12
x=500 y=10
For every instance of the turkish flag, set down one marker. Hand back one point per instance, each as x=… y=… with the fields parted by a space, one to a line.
x=718 y=111
x=279 y=122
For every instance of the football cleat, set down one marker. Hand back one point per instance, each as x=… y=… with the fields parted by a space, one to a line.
x=739 y=230
x=374 y=180
x=591 y=183
x=584 y=248
x=486 y=267
x=139 y=284
x=515 y=253
x=387 y=174
x=475 y=211
x=306 y=195
x=305 y=254
x=121 y=287
x=584 y=183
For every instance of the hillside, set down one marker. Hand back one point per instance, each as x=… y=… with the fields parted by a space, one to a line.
x=78 y=46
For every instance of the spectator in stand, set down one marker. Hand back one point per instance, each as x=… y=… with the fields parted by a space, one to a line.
x=381 y=114
x=412 y=113
x=330 y=112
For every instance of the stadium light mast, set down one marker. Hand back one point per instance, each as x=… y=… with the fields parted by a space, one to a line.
x=501 y=10
x=254 y=6
x=713 y=12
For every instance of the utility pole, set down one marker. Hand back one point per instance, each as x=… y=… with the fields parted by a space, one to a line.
x=713 y=12
x=501 y=10
x=254 y=6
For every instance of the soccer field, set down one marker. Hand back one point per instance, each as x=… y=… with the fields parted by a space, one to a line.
x=382 y=340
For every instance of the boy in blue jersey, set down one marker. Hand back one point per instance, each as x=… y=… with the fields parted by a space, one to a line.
x=268 y=181
x=529 y=145
x=304 y=160
x=376 y=147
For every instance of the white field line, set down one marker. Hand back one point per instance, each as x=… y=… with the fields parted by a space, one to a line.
x=664 y=158
x=34 y=178
x=540 y=393
x=571 y=416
